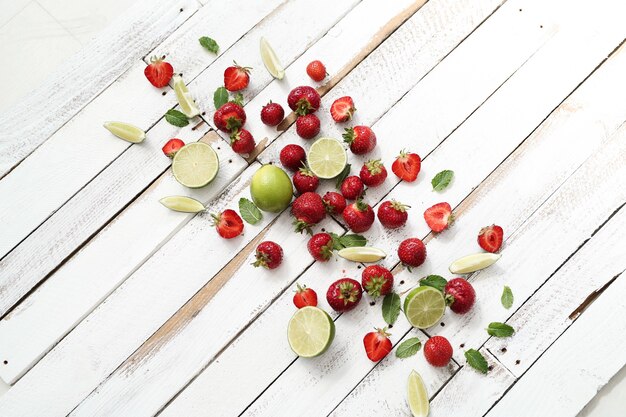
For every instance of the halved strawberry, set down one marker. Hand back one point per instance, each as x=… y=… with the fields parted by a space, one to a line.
x=377 y=344
x=228 y=224
x=158 y=72
x=342 y=109
x=490 y=238
x=236 y=77
x=406 y=166
x=172 y=146
x=439 y=217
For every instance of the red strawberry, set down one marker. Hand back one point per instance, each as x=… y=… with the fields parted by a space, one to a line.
x=352 y=187
x=377 y=280
x=272 y=114
x=377 y=344
x=304 y=100
x=229 y=117
x=305 y=297
x=344 y=294
x=292 y=157
x=242 y=142
x=359 y=216
x=361 y=139
x=308 y=126
x=439 y=217
x=460 y=295
x=490 y=238
x=334 y=202
x=438 y=351
x=412 y=252
x=158 y=72
x=308 y=209
x=236 y=77
x=342 y=109
x=268 y=255
x=172 y=146
x=228 y=224
x=321 y=246
x=304 y=180
x=406 y=166
x=392 y=214
x=316 y=70
x=373 y=173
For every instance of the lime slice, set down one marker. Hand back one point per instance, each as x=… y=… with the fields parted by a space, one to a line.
x=271 y=61
x=195 y=165
x=310 y=332
x=126 y=131
x=327 y=158
x=182 y=204
x=424 y=307
x=187 y=105
x=472 y=263
x=365 y=254
x=417 y=395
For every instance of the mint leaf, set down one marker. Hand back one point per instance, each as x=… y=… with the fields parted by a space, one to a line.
x=434 y=281
x=442 y=180
x=408 y=348
x=351 y=240
x=500 y=329
x=507 y=297
x=249 y=211
x=209 y=44
x=391 y=307
x=220 y=97
x=176 y=118
x=344 y=174
x=476 y=360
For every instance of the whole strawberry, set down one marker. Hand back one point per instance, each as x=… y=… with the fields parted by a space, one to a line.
x=342 y=109
x=377 y=344
x=344 y=294
x=438 y=351
x=406 y=166
x=303 y=100
x=172 y=146
x=158 y=72
x=308 y=209
x=373 y=173
x=321 y=246
x=490 y=238
x=412 y=252
x=392 y=214
x=268 y=255
x=242 y=142
x=236 y=77
x=229 y=117
x=376 y=280
x=308 y=126
x=304 y=297
x=228 y=224
x=304 y=180
x=359 y=216
x=460 y=295
x=316 y=70
x=439 y=217
x=272 y=114
x=292 y=157
x=352 y=187
x=361 y=139
x=334 y=202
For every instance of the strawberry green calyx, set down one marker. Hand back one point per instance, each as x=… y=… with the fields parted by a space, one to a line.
x=306 y=171
x=348 y=292
x=383 y=331
x=238 y=99
x=399 y=206
x=300 y=288
x=233 y=123
x=261 y=260
x=303 y=107
x=360 y=205
x=374 y=166
x=349 y=136
x=375 y=285
x=239 y=67
x=301 y=226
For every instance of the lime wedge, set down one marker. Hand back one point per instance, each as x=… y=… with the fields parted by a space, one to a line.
x=126 y=131
x=417 y=395
x=424 y=307
x=182 y=204
x=195 y=165
x=472 y=263
x=271 y=61
x=310 y=332
x=365 y=254
x=187 y=105
x=327 y=158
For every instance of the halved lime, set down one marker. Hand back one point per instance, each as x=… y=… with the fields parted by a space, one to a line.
x=273 y=65
x=195 y=165
x=327 y=158
x=126 y=131
x=365 y=254
x=187 y=105
x=310 y=332
x=417 y=395
x=472 y=263
x=182 y=204
x=424 y=307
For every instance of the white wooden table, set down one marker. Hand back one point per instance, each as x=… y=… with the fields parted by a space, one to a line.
x=112 y=305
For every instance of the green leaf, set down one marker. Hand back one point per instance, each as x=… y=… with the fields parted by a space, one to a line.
x=434 y=281
x=391 y=307
x=220 y=97
x=476 y=360
x=176 y=118
x=408 y=348
x=500 y=329
x=209 y=44
x=249 y=211
x=507 y=297
x=351 y=240
x=442 y=180
x=342 y=176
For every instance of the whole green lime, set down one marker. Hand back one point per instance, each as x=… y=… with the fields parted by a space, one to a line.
x=271 y=189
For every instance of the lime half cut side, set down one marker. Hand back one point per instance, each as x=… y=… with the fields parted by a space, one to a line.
x=130 y=133
x=473 y=263
x=365 y=254
x=187 y=105
x=195 y=165
x=417 y=396
x=310 y=332
x=424 y=307
x=327 y=158
x=270 y=60
x=182 y=204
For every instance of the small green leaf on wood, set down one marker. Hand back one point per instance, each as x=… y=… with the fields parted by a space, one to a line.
x=500 y=329
x=351 y=240
x=434 y=281
x=209 y=44
x=220 y=97
x=176 y=118
x=442 y=180
x=391 y=307
x=342 y=176
x=408 y=348
x=507 y=297
x=249 y=211
x=476 y=360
